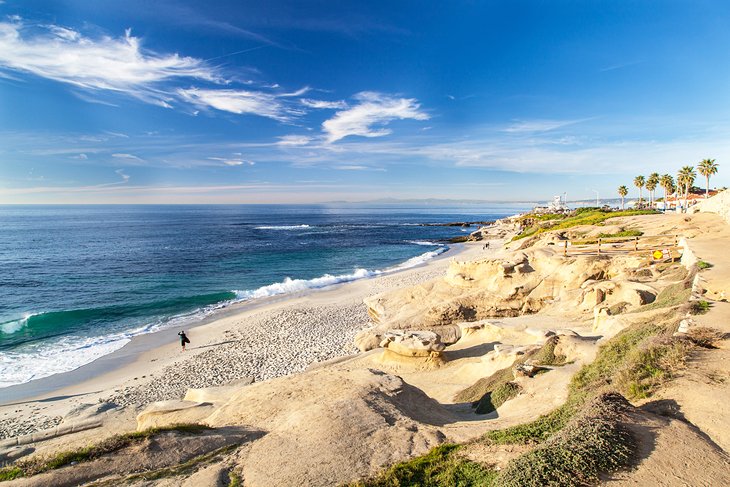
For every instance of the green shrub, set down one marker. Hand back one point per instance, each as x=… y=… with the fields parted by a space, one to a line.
x=672 y=295
x=439 y=467
x=592 y=217
x=546 y=354
x=500 y=395
x=234 y=480
x=611 y=357
x=699 y=307
x=701 y=264
x=538 y=430
x=592 y=442
x=10 y=473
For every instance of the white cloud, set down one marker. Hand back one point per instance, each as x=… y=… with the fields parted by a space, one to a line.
x=130 y=157
x=373 y=109
x=125 y=177
x=232 y=161
x=81 y=157
x=530 y=126
x=242 y=102
x=356 y=167
x=294 y=140
x=332 y=105
x=110 y=64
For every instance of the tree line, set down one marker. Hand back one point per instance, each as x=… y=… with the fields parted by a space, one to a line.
x=682 y=185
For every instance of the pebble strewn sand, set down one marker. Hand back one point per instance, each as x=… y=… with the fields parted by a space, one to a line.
x=266 y=346
x=12 y=427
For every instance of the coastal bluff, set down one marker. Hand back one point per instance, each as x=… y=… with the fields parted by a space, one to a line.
x=519 y=340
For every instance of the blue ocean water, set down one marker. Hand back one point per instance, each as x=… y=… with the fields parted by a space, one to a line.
x=77 y=282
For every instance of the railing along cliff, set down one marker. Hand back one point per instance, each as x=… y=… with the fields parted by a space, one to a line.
x=656 y=246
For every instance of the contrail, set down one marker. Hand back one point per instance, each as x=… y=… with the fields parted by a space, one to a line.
x=237 y=52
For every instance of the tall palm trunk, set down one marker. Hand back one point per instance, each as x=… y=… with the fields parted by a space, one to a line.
x=707 y=188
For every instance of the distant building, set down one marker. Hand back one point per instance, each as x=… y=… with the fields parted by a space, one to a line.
x=557 y=205
x=673 y=201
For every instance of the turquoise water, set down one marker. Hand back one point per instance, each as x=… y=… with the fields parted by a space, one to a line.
x=77 y=282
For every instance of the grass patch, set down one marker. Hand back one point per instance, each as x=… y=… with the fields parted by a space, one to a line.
x=588 y=217
x=36 y=465
x=593 y=441
x=617 y=235
x=234 y=480
x=701 y=264
x=635 y=362
x=672 y=295
x=10 y=473
x=439 y=467
x=500 y=395
x=183 y=469
x=546 y=355
x=538 y=430
x=699 y=307
x=486 y=386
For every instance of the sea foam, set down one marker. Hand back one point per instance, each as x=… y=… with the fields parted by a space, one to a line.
x=281 y=227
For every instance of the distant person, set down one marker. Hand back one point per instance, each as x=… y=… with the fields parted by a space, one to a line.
x=183 y=339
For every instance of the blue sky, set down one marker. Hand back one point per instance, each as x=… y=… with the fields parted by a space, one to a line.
x=299 y=102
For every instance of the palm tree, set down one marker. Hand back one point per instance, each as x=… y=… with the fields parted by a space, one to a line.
x=707 y=168
x=667 y=182
x=651 y=184
x=685 y=180
x=639 y=183
x=622 y=192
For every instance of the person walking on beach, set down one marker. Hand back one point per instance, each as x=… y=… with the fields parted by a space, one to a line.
x=183 y=339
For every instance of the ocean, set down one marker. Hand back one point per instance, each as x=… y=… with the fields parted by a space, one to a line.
x=78 y=282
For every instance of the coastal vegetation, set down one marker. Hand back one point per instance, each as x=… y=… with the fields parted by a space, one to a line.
x=538 y=224
x=622 y=192
x=39 y=464
x=707 y=168
x=701 y=264
x=684 y=183
x=639 y=182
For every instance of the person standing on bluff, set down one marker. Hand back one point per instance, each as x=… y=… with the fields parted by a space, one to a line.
x=183 y=339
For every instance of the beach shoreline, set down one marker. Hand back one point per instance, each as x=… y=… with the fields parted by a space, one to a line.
x=128 y=375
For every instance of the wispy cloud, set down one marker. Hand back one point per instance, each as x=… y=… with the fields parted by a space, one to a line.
x=129 y=157
x=355 y=167
x=614 y=67
x=125 y=177
x=108 y=64
x=372 y=110
x=293 y=140
x=530 y=126
x=333 y=105
x=237 y=160
x=241 y=102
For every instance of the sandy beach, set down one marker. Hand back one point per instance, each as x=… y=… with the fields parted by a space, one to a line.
x=257 y=340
